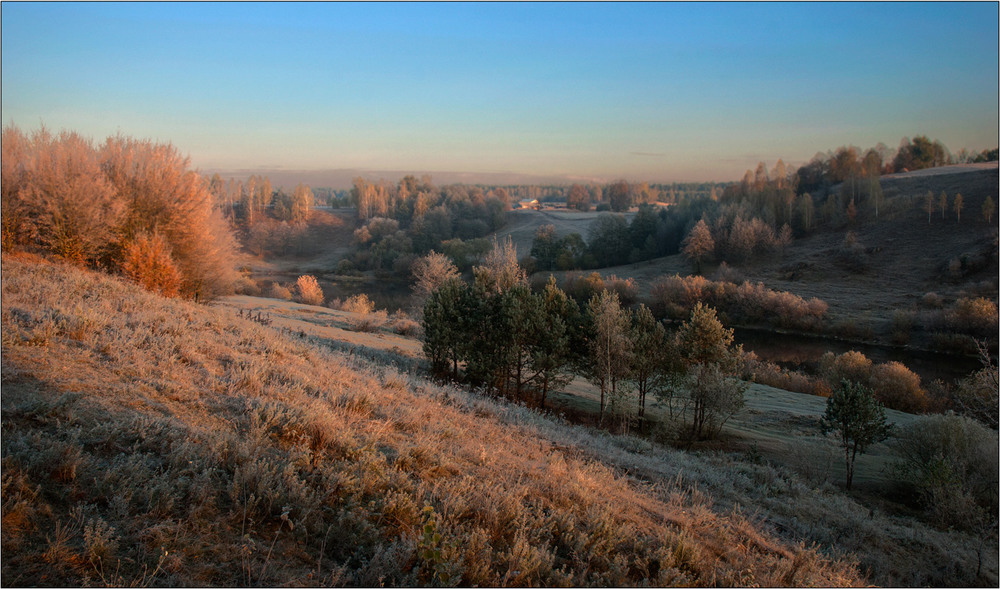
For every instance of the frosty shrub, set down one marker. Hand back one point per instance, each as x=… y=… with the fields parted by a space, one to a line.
x=146 y=260
x=359 y=303
x=308 y=291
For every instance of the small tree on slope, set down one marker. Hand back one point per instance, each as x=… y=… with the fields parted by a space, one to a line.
x=857 y=418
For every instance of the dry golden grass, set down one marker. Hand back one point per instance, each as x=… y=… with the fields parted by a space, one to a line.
x=151 y=441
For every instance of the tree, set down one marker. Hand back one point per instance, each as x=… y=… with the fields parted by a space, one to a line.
x=943 y=202
x=553 y=352
x=647 y=361
x=163 y=196
x=707 y=362
x=858 y=420
x=806 y=212
x=988 y=208
x=578 y=198
x=929 y=205
x=525 y=330
x=958 y=206
x=608 y=239
x=444 y=315
x=500 y=270
x=620 y=196
x=57 y=197
x=545 y=247
x=610 y=346
x=302 y=202
x=430 y=272
x=698 y=244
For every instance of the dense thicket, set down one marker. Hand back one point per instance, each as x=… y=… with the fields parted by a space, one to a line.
x=129 y=205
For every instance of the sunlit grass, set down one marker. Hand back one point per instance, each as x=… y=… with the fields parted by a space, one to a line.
x=158 y=442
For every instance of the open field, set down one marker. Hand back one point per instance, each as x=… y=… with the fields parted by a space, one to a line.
x=159 y=442
x=782 y=426
x=523 y=223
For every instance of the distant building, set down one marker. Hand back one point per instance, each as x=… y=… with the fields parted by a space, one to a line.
x=529 y=204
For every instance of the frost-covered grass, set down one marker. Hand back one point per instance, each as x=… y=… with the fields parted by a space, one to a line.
x=149 y=441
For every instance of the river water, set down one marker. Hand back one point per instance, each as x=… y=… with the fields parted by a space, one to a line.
x=803 y=353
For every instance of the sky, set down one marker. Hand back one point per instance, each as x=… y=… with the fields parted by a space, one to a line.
x=641 y=91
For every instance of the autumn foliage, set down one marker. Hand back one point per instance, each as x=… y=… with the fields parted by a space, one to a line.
x=146 y=260
x=129 y=205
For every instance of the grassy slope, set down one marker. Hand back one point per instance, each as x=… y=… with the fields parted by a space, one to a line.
x=151 y=441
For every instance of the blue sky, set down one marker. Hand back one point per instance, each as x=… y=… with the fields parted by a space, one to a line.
x=644 y=91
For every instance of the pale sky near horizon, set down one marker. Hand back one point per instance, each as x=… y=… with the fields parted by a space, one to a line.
x=643 y=91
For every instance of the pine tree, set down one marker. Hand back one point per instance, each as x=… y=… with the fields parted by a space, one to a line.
x=857 y=418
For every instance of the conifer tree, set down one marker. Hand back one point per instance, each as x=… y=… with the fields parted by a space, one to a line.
x=858 y=420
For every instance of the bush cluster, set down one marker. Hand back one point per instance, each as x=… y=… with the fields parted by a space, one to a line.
x=894 y=385
x=130 y=205
x=951 y=462
x=674 y=297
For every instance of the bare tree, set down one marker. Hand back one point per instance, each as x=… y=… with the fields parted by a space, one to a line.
x=430 y=272
x=500 y=270
x=610 y=345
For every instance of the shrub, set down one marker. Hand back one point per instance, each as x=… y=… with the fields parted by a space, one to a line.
x=851 y=366
x=726 y=273
x=146 y=260
x=247 y=286
x=977 y=394
x=279 y=292
x=902 y=324
x=625 y=287
x=932 y=300
x=346 y=267
x=673 y=296
x=976 y=316
x=359 y=303
x=582 y=288
x=898 y=387
x=309 y=291
x=370 y=322
x=771 y=374
x=952 y=463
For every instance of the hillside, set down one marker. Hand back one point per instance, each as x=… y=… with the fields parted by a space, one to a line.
x=151 y=441
x=903 y=256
